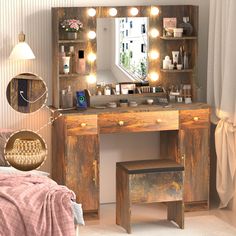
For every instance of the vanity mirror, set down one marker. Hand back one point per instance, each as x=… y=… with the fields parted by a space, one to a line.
x=120 y=45
x=122 y=50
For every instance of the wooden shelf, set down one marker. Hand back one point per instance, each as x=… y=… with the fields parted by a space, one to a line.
x=71 y=41
x=178 y=38
x=177 y=71
x=71 y=75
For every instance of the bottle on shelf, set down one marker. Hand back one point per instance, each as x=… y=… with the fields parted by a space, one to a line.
x=186 y=64
x=61 y=55
x=73 y=59
x=81 y=64
x=66 y=98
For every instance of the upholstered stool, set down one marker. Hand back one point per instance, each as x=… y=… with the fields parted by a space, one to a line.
x=159 y=180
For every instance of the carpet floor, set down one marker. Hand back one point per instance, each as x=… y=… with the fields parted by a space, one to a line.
x=150 y=221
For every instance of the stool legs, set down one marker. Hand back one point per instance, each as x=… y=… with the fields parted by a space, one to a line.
x=175 y=212
x=123 y=211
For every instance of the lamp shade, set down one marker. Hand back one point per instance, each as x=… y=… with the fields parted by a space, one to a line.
x=22 y=50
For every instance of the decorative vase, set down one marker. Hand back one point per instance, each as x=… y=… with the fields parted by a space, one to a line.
x=72 y=35
x=187 y=27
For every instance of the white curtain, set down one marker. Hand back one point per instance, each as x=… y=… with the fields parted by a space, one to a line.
x=221 y=92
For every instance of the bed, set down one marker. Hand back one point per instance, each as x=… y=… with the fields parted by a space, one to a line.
x=33 y=204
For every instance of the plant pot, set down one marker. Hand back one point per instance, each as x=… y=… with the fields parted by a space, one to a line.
x=71 y=35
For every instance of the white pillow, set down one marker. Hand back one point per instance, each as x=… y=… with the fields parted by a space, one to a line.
x=12 y=170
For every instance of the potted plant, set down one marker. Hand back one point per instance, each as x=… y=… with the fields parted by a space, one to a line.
x=71 y=27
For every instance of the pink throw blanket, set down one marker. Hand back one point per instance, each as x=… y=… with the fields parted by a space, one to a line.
x=34 y=206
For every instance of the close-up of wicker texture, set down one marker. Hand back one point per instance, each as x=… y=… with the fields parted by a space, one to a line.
x=26 y=154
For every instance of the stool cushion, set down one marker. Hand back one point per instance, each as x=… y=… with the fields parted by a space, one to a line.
x=148 y=166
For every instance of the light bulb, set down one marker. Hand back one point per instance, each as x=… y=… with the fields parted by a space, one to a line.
x=154 y=54
x=91 y=57
x=91 y=12
x=134 y=11
x=154 y=11
x=112 y=11
x=154 y=76
x=92 y=79
x=91 y=34
x=154 y=33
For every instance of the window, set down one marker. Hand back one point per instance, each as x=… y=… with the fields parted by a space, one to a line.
x=132 y=50
x=143 y=48
x=143 y=29
x=131 y=24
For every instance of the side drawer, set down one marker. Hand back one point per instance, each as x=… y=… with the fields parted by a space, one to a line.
x=192 y=119
x=81 y=125
x=138 y=121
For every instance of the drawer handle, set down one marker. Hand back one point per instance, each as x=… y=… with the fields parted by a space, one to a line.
x=121 y=123
x=95 y=171
x=158 y=121
x=83 y=124
x=196 y=118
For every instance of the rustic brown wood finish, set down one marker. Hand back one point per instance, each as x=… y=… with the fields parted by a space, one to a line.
x=76 y=147
x=147 y=182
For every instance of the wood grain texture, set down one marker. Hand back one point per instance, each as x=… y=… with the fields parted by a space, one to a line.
x=194 y=144
x=197 y=119
x=123 y=203
x=82 y=170
x=58 y=150
x=156 y=187
x=137 y=122
x=35 y=89
x=175 y=212
x=80 y=125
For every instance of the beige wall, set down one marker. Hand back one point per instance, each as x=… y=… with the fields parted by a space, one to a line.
x=36 y=16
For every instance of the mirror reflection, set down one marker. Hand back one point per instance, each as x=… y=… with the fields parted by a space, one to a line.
x=122 y=47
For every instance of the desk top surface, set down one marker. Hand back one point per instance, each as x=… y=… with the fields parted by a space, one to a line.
x=148 y=166
x=140 y=108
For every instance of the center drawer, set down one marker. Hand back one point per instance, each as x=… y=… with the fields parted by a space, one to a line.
x=138 y=122
x=81 y=125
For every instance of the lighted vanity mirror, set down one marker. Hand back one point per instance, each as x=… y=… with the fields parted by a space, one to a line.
x=122 y=50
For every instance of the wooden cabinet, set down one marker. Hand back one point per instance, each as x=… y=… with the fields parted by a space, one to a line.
x=192 y=143
x=76 y=158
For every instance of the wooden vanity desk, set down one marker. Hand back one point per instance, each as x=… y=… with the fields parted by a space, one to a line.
x=184 y=132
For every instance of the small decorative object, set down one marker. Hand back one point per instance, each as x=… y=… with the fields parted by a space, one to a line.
x=168 y=25
x=179 y=66
x=166 y=63
x=149 y=101
x=178 y=32
x=187 y=27
x=71 y=27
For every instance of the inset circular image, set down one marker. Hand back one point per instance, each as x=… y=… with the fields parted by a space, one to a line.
x=25 y=150
x=27 y=93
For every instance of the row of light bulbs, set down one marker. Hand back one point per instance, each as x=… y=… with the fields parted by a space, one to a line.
x=133 y=11
x=154 y=33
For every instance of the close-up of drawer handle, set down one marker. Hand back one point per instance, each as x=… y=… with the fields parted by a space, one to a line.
x=121 y=123
x=95 y=169
x=83 y=124
x=158 y=121
x=196 y=118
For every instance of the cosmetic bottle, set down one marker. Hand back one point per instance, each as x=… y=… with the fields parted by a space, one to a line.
x=186 y=66
x=66 y=65
x=63 y=99
x=69 y=97
x=71 y=54
x=61 y=55
x=81 y=65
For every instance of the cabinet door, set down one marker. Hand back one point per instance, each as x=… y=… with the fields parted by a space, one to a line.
x=82 y=167
x=194 y=144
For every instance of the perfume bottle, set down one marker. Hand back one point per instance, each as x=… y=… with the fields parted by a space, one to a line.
x=71 y=54
x=61 y=55
x=187 y=27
